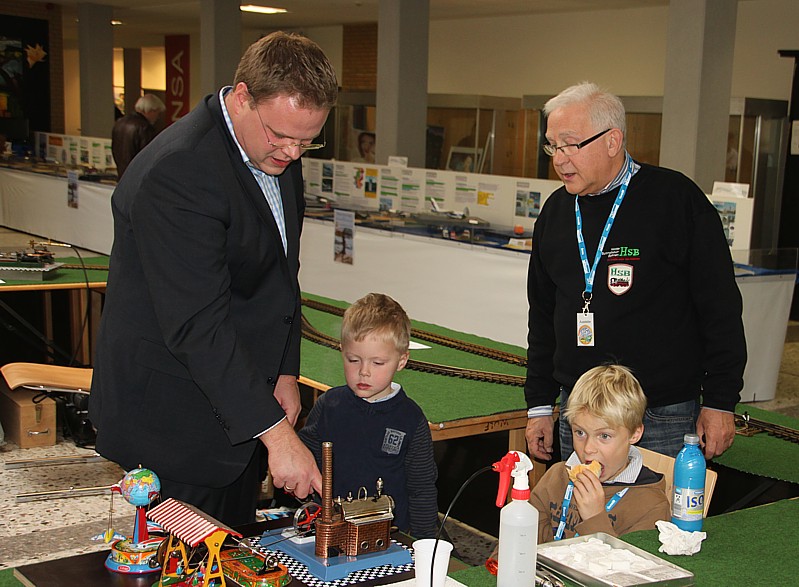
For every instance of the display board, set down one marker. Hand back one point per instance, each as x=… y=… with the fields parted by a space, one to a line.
x=736 y=218
x=504 y=202
x=75 y=151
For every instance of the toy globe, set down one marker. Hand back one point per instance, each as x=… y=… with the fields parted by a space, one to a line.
x=139 y=487
x=137 y=554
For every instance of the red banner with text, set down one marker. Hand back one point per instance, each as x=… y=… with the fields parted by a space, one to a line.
x=176 y=50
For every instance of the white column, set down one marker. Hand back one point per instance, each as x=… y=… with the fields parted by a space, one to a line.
x=698 y=80
x=132 y=66
x=220 y=41
x=402 y=47
x=96 y=57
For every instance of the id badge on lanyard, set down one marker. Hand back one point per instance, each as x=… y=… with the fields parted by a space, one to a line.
x=585 y=328
x=586 y=331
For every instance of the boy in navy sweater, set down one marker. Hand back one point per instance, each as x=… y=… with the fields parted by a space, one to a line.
x=377 y=431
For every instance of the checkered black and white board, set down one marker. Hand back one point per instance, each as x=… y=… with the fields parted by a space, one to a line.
x=300 y=571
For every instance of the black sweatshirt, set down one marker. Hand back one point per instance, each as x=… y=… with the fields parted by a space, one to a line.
x=669 y=307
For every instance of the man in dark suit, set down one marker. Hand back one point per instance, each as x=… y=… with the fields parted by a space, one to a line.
x=198 y=354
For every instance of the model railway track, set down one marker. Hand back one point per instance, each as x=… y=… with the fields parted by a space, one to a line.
x=310 y=333
x=748 y=426
x=744 y=424
x=474 y=349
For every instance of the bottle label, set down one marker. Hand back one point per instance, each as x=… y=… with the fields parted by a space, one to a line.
x=689 y=504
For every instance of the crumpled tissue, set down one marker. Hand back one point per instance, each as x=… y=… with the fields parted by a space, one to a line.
x=674 y=540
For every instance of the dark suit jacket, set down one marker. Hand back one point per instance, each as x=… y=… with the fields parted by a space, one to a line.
x=202 y=312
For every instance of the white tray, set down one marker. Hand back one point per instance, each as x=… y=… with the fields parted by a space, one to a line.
x=661 y=574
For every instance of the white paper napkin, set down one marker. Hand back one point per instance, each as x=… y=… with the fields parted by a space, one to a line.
x=674 y=540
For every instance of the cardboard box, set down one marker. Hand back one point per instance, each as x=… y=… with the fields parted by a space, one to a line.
x=26 y=423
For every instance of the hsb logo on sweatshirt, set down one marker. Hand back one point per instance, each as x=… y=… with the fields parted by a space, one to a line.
x=620 y=278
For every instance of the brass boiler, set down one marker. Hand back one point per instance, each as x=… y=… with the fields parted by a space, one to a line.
x=366 y=509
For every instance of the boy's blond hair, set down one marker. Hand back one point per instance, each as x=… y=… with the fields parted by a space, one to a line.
x=611 y=393
x=377 y=314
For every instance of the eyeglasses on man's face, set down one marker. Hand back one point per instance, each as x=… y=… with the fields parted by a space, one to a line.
x=570 y=150
x=300 y=146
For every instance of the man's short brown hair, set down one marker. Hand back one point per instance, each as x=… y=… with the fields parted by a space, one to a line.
x=377 y=314
x=288 y=64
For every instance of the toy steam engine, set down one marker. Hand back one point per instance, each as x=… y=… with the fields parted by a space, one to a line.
x=351 y=526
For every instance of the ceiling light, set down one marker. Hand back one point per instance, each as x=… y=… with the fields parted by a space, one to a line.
x=116 y=22
x=262 y=9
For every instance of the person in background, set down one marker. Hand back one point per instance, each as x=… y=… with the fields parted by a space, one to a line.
x=133 y=132
x=377 y=431
x=198 y=354
x=630 y=264
x=366 y=147
x=606 y=411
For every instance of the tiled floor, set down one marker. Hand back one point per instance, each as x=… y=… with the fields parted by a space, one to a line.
x=54 y=528
x=42 y=530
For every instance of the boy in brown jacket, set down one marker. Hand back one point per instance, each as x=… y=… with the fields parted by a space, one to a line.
x=605 y=411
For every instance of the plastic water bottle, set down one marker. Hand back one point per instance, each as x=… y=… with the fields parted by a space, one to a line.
x=518 y=525
x=688 y=503
x=518 y=537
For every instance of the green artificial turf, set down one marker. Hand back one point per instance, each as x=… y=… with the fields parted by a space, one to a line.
x=7 y=579
x=441 y=398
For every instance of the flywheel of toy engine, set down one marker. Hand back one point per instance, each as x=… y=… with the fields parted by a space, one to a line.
x=305 y=518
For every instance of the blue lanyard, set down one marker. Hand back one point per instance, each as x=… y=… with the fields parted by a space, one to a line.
x=567 y=498
x=564 y=509
x=590 y=272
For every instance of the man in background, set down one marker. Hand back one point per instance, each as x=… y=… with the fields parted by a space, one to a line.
x=133 y=132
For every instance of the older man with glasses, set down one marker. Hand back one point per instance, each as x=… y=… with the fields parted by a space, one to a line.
x=199 y=348
x=630 y=265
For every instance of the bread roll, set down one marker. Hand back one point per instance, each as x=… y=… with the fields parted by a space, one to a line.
x=595 y=467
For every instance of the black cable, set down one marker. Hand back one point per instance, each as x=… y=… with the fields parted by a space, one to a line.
x=446 y=515
x=78 y=343
x=34 y=331
x=71 y=358
x=64 y=399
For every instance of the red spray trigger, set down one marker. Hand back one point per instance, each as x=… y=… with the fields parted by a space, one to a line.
x=504 y=467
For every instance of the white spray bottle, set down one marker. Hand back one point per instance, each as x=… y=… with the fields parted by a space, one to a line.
x=518 y=522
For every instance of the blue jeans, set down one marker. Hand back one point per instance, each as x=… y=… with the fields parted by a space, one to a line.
x=664 y=427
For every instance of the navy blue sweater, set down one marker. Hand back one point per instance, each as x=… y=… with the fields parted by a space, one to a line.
x=390 y=440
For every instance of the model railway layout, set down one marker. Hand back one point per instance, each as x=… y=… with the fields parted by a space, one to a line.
x=744 y=424
x=310 y=333
x=474 y=349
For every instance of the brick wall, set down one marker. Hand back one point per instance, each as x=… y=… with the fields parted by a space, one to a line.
x=359 y=69
x=52 y=14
